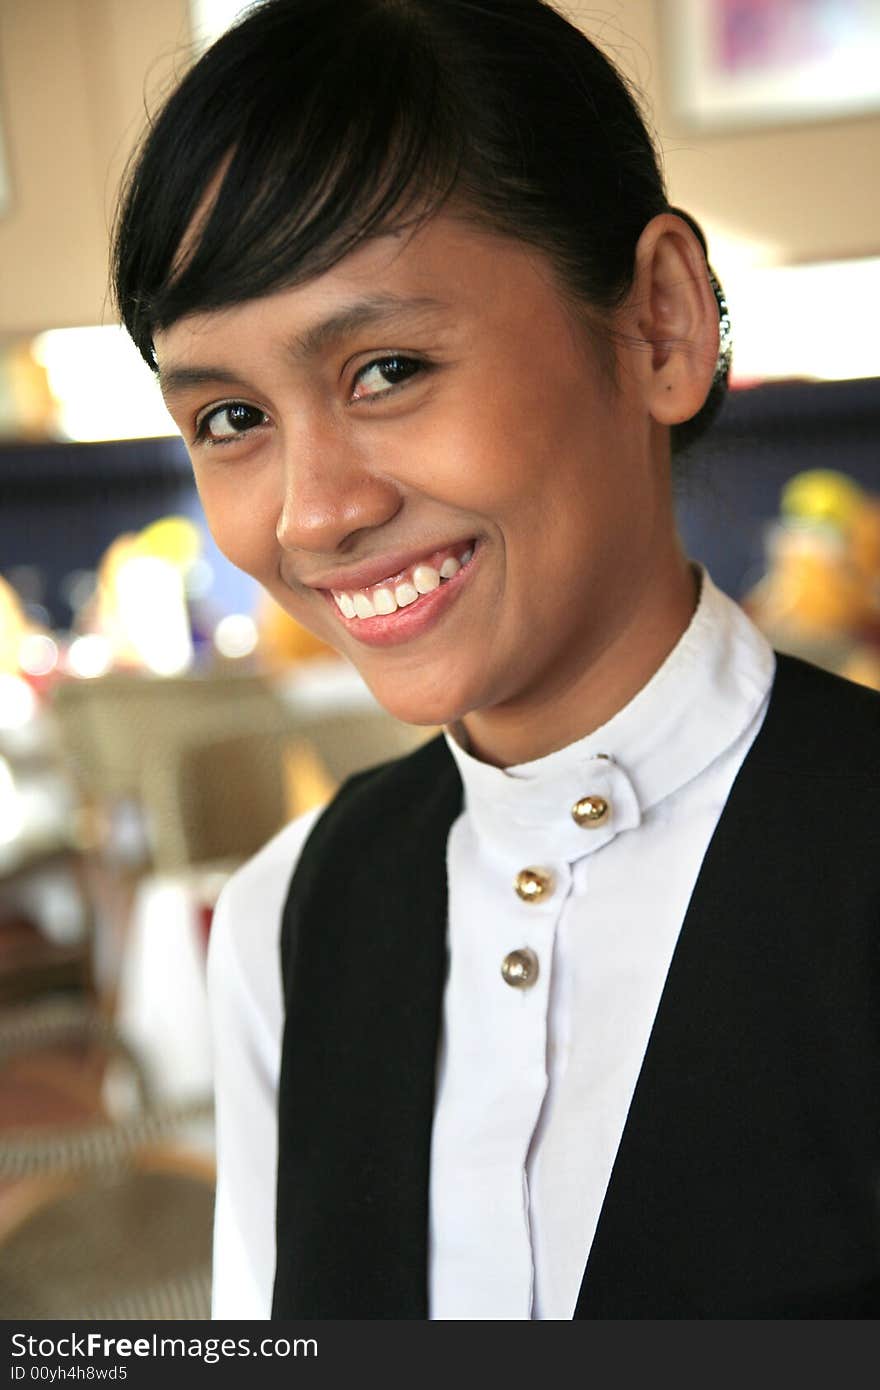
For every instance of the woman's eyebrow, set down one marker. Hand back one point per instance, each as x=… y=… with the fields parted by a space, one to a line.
x=173 y=380
x=362 y=313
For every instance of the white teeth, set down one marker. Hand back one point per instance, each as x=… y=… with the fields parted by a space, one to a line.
x=426 y=578
x=405 y=594
x=363 y=607
x=384 y=601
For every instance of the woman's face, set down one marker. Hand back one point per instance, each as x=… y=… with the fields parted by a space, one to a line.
x=422 y=459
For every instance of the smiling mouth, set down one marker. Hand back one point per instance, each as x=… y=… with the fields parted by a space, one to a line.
x=403 y=590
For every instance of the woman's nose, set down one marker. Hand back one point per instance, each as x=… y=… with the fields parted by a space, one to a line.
x=330 y=492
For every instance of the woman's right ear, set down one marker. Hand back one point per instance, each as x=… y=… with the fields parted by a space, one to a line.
x=673 y=322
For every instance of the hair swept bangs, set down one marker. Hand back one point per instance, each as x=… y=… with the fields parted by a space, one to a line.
x=344 y=134
x=312 y=124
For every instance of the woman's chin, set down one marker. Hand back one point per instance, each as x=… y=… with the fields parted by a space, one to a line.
x=421 y=706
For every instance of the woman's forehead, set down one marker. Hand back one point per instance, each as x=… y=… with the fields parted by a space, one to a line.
x=443 y=269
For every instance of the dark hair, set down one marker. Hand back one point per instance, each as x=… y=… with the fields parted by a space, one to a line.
x=317 y=123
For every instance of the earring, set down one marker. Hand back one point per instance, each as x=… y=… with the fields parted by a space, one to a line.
x=725 y=330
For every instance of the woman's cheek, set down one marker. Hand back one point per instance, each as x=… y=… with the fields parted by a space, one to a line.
x=242 y=525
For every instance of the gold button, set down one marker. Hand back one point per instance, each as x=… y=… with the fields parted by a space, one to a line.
x=533 y=884
x=520 y=968
x=590 y=811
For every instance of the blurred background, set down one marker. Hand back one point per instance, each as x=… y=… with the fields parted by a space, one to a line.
x=159 y=719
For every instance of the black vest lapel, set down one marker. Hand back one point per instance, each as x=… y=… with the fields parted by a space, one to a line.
x=364 y=965
x=745 y=1184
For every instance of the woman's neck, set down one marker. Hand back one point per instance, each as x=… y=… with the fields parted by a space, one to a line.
x=576 y=702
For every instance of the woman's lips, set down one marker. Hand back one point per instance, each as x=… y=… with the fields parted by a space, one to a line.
x=385 y=596
x=413 y=617
x=385 y=569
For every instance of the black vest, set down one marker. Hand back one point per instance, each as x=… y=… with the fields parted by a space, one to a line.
x=747 y=1182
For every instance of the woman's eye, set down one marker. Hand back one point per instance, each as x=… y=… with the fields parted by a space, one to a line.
x=230 y=420
x=379 y=377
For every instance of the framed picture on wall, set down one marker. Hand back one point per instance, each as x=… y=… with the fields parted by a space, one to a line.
x=762 y=62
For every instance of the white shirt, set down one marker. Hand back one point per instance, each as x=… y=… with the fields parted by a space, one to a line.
x=534 y=1084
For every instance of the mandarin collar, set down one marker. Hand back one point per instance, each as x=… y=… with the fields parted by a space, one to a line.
x=702 y=698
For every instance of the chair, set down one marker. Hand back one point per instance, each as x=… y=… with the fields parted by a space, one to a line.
x=216 y=795
x=103 y=1216
x=114 y=731
x=111 y=726
x=349 y=742
x=32 y=965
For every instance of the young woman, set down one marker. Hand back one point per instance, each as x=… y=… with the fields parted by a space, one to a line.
x=572 y=1013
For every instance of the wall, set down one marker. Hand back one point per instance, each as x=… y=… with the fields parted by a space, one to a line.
x=73 y=78
x=807 y=193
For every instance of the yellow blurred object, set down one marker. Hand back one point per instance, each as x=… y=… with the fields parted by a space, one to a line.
x=139 y=603
x=172 y=538
x=820 y=596
x=306 y=779
x=821 y=496
x=863 y=667
x=284 y=641
x=812 y=584
x=13 y=627
x=102 y=614
x=115 y=556
x=865 y=544
x=28 y=410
